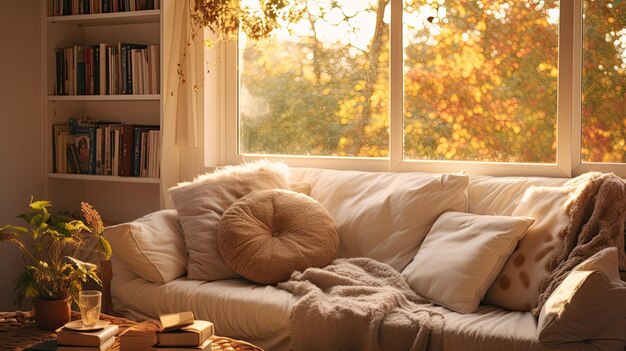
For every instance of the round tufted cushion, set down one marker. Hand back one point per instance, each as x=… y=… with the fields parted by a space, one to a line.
x=267 y=235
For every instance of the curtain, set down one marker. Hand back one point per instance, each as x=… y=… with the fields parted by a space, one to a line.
x=182 y=100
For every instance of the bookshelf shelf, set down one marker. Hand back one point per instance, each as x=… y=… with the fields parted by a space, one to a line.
x=109 y=19
x=101 y=178
x=142 y=97
x=74 y=57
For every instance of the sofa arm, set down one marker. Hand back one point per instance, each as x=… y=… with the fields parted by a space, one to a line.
x=151 y=247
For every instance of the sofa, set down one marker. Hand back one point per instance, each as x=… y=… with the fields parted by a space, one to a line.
x=400 y=219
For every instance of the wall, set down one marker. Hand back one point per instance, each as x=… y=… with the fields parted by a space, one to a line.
x=21 y=111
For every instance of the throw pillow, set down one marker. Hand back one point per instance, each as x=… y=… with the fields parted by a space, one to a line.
x=461 y=257
x=517 y=286
x=151 y=247
x=267 y=235
x=200 y=206
x=588 y=302
x=385 y=215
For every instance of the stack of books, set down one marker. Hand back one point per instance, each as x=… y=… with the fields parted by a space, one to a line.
x=173 y=332
x=100 y=340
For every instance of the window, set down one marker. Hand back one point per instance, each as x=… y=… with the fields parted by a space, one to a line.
x=499 y=87
x=604 y=81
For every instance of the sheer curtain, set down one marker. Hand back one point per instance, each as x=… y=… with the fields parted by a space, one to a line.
x=183 y=96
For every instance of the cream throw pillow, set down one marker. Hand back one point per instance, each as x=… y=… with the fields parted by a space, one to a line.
x=462 y=256
x=590 y=300
x=517 y=286
x=200 y=206
x=384 y=215
x=152 y=246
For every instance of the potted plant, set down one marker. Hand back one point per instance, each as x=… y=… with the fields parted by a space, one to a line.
x=51 y=276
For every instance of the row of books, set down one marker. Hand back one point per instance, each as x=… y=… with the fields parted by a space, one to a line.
x=173 y=332
x=88 y=7
x=106 y=69
x=106 y=148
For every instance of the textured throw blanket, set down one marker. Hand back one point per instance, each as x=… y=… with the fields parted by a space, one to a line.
x=359 y=304
x=597 y=214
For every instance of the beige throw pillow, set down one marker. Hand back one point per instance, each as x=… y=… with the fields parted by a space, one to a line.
x=151 y=247
x=462 y=256
x=517 y=286
x=267 y=235
x=590 y=300
x=200 y=206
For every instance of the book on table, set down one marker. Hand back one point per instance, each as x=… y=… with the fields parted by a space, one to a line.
x=171 y=321
x=104 y=347
x=140 y=336
x=205 y=346
x=90 y=339
x=191 y=335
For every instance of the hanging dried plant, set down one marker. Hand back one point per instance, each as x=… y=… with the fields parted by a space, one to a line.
x=228 y=17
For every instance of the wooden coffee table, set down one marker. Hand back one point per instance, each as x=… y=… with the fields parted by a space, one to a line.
x=18 y=331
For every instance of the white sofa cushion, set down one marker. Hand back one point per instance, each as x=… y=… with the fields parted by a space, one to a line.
x=200 y=206
x=500 y=195
x=462 y=256
x=384 y=216
x=151 y=247
x=590 y=301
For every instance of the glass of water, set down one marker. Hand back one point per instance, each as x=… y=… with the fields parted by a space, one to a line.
x=89 y=302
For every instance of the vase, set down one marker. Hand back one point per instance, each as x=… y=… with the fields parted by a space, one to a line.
x=52 y=314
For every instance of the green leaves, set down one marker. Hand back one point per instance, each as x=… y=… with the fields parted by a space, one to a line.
x=52 y=272
x=105 y=247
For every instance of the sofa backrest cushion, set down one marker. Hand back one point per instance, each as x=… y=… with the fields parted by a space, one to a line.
x=200 y=206
x=382 y=215
x=461 y=257
x=587 y=303
x=500 y=195
x=151 y=247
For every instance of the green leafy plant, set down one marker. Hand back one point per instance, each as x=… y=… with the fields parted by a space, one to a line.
x=48 y=244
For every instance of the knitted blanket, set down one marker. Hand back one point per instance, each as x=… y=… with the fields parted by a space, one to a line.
x=359 y=304
x=597 y=213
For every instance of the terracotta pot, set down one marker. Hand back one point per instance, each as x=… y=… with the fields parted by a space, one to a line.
x=52 y=314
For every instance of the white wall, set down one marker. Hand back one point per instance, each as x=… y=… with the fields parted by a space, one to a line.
x=21 y=125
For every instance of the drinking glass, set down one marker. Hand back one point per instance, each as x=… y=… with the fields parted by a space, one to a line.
x=89 y=302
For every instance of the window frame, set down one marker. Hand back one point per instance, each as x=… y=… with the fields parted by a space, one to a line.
x=222 y=91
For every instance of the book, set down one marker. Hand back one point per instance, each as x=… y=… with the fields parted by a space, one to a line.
x=140 y=336
x=206 y=345
x=172 y=321
x=96 y=338
x=191 y=335
x=104 y=347
x=126 y=150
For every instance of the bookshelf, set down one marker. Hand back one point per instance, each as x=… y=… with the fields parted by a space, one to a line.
x=117 y=198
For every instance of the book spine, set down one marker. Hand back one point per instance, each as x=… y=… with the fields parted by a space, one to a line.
x=127 y=150
x=136 y=152
x=129 y=70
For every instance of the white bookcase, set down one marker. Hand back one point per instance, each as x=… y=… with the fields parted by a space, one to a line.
x=118 y=199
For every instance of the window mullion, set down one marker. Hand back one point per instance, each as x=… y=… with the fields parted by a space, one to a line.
x=566 y=109
x=396 y=86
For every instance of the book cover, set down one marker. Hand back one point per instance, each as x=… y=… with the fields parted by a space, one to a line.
x=206 y=345
x=104 y=347
x=95 y=338
x=171 y=321
x=191 y=335
x=83 y=154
